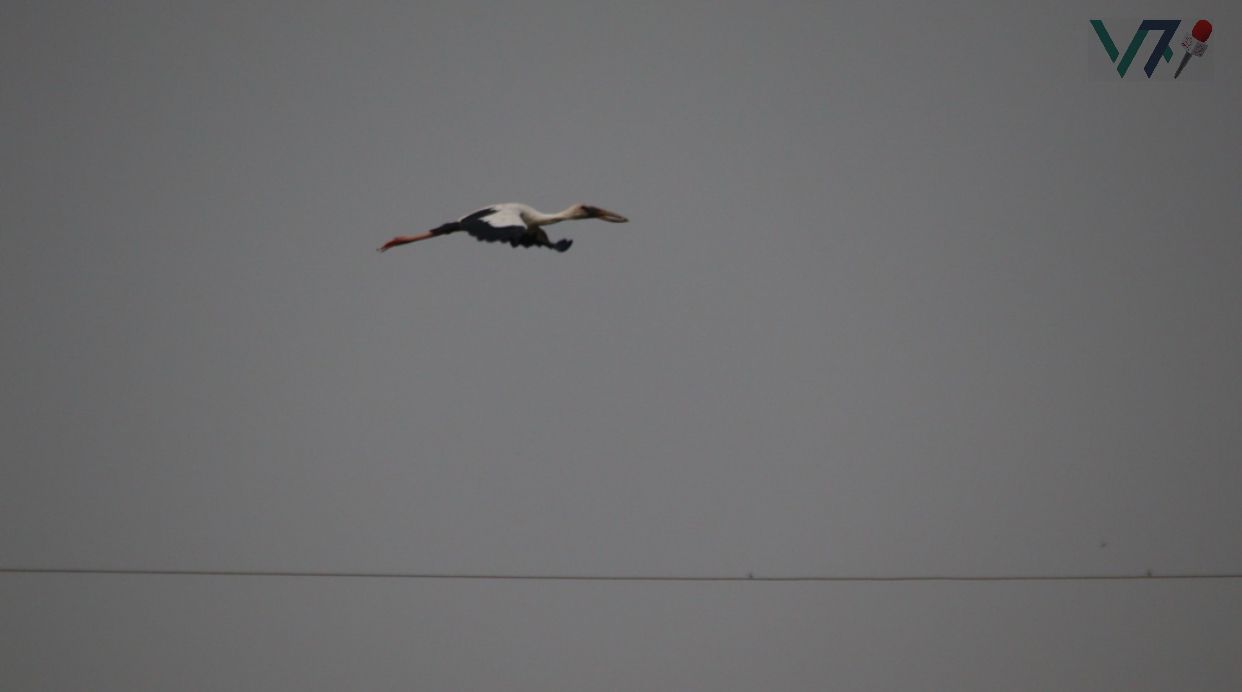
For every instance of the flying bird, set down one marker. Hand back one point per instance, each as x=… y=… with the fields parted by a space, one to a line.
x=515 y=224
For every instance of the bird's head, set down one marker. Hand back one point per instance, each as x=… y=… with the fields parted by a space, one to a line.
x=586 y=211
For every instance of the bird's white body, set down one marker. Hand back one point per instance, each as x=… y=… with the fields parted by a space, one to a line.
x=511 y=213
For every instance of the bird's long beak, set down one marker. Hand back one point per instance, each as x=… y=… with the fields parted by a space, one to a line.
x=610 y=216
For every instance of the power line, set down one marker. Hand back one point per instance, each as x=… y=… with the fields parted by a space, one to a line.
x=481 y=576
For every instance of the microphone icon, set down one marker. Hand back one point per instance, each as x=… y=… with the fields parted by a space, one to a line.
x=1195 y=43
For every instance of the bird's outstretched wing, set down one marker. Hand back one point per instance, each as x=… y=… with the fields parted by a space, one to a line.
x=497 y=225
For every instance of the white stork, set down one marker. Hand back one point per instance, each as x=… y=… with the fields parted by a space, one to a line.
x=515 y=224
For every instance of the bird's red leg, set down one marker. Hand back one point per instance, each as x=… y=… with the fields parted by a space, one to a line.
x=405 y=239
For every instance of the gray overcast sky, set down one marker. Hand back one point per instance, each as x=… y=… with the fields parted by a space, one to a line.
x=904 y=291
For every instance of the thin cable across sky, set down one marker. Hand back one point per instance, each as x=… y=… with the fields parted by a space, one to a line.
x=500 y=576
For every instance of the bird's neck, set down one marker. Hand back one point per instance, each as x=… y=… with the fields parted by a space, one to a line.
x=540 y=219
